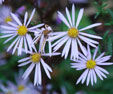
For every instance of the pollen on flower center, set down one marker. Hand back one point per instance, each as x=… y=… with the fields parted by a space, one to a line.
x=90 y=64
x=73 y=32
x=20 y=87
x=22 y=30
x=8 y=19
x=35 y=57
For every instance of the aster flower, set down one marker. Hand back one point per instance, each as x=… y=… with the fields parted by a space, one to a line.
x=35 y=60
x=71 y=38
x=21 y=86
x=91 y=64
x=43 y=35
x=7 y=89
x=5 y=14
x=20 y=32
x=1 y=1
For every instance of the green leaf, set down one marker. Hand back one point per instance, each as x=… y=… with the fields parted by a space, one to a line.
x=110 y=12
x=105 y=35
x=109 y=46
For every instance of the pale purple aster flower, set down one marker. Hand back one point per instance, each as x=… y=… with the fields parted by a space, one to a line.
x=5 y=15
x=20 y=32
x=36 y=60
x=92 y=66
x=73 y=36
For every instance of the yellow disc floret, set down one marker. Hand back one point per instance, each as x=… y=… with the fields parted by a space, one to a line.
x=73 y=32
x=8 y=19
x=22 y=30
x=9 y=92
x=90 y=64
x=20 y=88
x=35 y=57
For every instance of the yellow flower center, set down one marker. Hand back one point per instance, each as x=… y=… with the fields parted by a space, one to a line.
x=73 y=32
x=9 y=92
x=8 y=19
x=22 y=30
x=35 y=57
x=20 y=88
x=90 y=64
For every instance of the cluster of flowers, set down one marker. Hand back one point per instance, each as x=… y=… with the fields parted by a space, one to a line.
x=28 y=39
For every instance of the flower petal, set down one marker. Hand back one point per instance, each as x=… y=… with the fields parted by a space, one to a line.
x=69 y=17
x=16 y=19
x=61 y=16
x=79 y=17
x=25 y=18
x=32 y=14
x=73 y=15
x=39 y=74
x=60 y=44
x=25 y=63
x=95 y=52
x=66 y=49
x=90 y=35
x=9 y=38
x=57 y=36
x=28 y=71
x=35 y=27
x=82 y=47
x=88 y=78
x=46 y=69
x=13 y=43
x=8 y=27
x=74 y=50
x=82 y=76
x=12 y=24
x=24 y=59
x=90 y=26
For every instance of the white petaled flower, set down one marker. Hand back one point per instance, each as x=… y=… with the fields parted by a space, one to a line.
x=71 y=38
x=42 y=36
x=20 y=87
x=7 y=89
x=5 y=14
x=20 y=32
x=35 y=60
x=91 y=64
x=24 y=86
x=1 y=1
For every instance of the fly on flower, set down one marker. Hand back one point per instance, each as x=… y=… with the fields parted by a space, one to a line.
x=36 y=60
x=20 y=33
x=71 y=37
x=42 y=36
x=91 y=64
